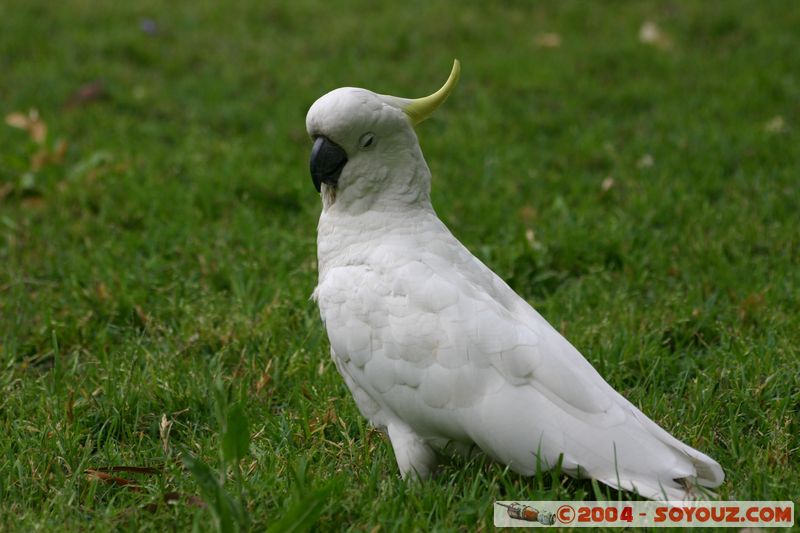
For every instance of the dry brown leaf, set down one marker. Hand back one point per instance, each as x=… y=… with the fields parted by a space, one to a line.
x=775 y=125
x=751 y=305
x=86 y=94
x=102 y=292
x=32 y=123
x=32 y=202
x=17 y=120
x=528 y=214
x=548 y=40
x=93 y=475
x=38 y=132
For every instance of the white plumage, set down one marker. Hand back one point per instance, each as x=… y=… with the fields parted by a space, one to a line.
x=437 y=350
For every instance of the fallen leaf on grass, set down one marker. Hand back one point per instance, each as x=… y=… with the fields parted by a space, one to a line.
x=751 y=306
x=170 y=498
x=86 y=94
x=104 y=474
x=45 y=156
x=548 y=40
x=102 y=292
x=37 y=130
x=32 y=202
x=32 y=123
x=17 y=120
x=775 y=125
x=528 y=214
x=111 y=480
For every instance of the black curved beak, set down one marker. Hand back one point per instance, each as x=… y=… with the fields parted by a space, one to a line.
x=327 y=161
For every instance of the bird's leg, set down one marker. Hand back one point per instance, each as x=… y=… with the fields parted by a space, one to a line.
x=415 y=458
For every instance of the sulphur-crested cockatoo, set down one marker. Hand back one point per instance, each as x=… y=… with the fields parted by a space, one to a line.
x=437 y=350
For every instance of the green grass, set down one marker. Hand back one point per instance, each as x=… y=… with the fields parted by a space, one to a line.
x=164 y=265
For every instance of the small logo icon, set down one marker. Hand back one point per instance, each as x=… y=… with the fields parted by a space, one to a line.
x=565 y=514
x=529 y=514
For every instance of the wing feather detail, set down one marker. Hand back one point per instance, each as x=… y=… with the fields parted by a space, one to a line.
x=446 y=347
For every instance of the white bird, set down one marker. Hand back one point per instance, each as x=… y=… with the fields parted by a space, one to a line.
x=437 y=350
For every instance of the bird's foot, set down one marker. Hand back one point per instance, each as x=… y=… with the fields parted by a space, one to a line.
x=415 y=458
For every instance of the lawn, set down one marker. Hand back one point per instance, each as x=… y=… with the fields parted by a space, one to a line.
x=632 y=169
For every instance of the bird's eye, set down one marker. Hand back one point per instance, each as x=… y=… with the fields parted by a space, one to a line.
x=366 y=141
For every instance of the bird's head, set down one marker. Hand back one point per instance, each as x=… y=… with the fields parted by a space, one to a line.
x=365 y=149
